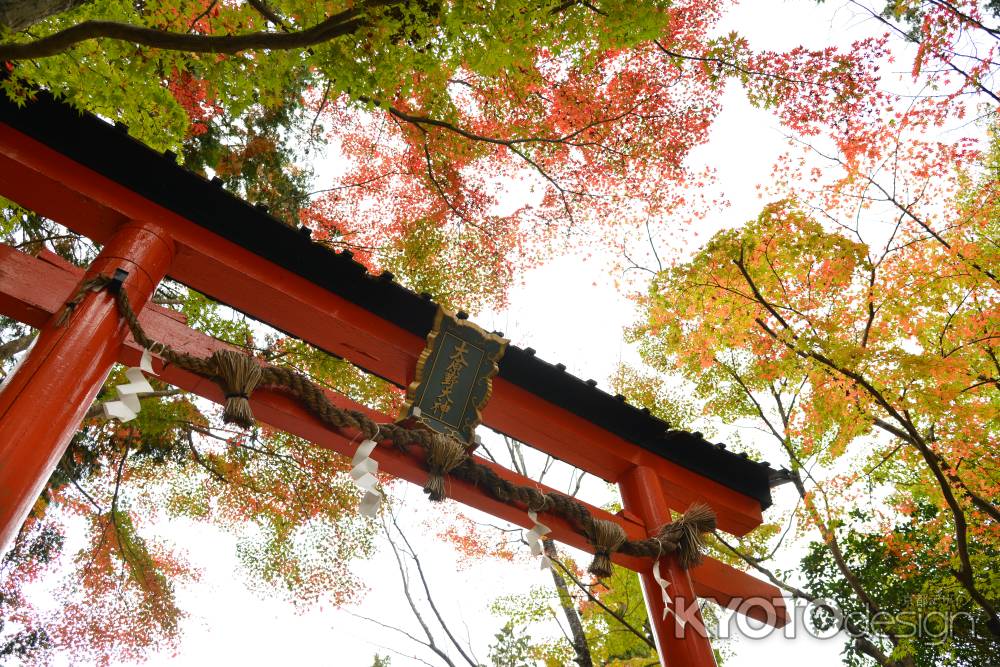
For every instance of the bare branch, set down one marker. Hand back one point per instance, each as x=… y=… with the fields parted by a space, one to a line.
x=430 y=598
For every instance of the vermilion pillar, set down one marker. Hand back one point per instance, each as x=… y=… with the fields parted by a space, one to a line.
x=678 y=646
x=42 y=404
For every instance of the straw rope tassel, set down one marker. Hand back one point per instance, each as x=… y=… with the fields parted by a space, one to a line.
x=443 y=455
x=685 y=534
x=607 y=537
x=238 y=375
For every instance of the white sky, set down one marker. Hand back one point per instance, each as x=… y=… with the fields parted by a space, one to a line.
x=570 y=311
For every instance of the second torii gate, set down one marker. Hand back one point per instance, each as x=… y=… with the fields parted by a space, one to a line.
x=155 y=219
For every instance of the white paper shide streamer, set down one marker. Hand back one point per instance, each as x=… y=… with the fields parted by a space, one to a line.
x=127 y=406
x=534 y=537
x=663 y=583
x=363 y=474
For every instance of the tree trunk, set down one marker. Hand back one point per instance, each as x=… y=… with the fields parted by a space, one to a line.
x=17 y=15
x=583 y=658
x=15 y=345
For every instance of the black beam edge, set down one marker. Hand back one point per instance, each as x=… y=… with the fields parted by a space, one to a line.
x=105 y=149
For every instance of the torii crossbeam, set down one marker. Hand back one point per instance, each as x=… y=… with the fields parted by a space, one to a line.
x=155 y=219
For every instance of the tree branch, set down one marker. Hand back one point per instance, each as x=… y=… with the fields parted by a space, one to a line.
x=96 y=411
x=431 y=644
x=337 y=25
x=596 y=600
x=867 y=647
x=15 y=345
x=579 y=638
x=964 y=574
x=430 y=598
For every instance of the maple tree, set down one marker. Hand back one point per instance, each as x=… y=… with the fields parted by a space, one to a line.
x=855 y=321
x=585 y=113
x=290 y=506
x=959 y=38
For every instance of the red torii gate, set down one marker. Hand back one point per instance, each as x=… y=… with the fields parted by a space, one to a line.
x=155 y=219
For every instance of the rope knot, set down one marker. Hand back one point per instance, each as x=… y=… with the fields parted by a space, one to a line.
x=606 y=537
x=238 y=374
x=684 y=536
x=94 y=284
x=444 y=454
x=538 y=501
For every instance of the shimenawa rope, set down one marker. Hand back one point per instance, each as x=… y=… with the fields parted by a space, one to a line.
x=239 y=374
